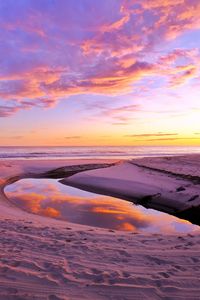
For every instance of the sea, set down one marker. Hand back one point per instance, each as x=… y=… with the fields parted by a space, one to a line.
x=94 y=152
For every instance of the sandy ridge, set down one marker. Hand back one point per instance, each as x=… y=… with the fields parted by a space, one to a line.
x=157 y=188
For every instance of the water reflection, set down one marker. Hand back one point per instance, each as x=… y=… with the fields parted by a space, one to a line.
x=50 y=198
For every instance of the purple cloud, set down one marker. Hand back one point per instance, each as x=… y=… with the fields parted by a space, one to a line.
x=53 y=49
x=151 y=134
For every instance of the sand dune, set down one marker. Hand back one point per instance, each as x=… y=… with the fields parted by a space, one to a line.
x=43 y=258
x=139 y=181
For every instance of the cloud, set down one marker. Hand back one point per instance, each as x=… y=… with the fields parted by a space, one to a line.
x=183 y=77
x=72 y=137
x=6 y=111
x=9 y=110
x=170 y=139
x=94 y=210
x=151 y=134
x=121 y=114
x=61 y=48
x=15 y=137
x=112 y=114
x=152 y=4
x=117 y=24
x=98 y=211
x=124 y=108
x=120 y=123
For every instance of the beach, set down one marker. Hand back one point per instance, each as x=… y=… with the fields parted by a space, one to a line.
x=45 y=258
x=99 y=150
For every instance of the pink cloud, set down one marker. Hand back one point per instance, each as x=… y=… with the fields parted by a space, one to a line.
x=59 y=49
x=93 y=210
x=171 y=139
x=142 y=135
x=182 y=77
x=6 y=111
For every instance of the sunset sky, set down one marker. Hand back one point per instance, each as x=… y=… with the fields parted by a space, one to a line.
x=91 y=72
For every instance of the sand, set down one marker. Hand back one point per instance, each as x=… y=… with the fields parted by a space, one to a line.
x=44 y=258
x=153 y=183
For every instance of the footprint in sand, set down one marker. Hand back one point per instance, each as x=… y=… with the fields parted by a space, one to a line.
x=124 y=253
x=96 y=271
x=126 y=274
x=164 y=274
x=99 y=278
x=194 y=259
x=157 y=261
x=55 y=297
x=180 y=268
x=190 y=235
x=180 y=189
x=16 y=264
x=120 y=240
x=181 y=238
x=190 y=244
x=68 y=240
x=178 y=247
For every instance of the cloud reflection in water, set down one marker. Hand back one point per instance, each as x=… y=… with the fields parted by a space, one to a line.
x=50 y=198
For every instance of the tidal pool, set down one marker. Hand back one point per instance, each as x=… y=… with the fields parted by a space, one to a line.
x=48 y=197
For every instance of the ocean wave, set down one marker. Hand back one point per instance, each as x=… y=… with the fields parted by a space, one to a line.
x=125 y=152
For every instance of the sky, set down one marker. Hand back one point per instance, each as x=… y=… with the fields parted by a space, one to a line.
x=90 y=72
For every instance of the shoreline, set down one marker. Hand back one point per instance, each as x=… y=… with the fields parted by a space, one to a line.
x=77 y=175
x=155 y=183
